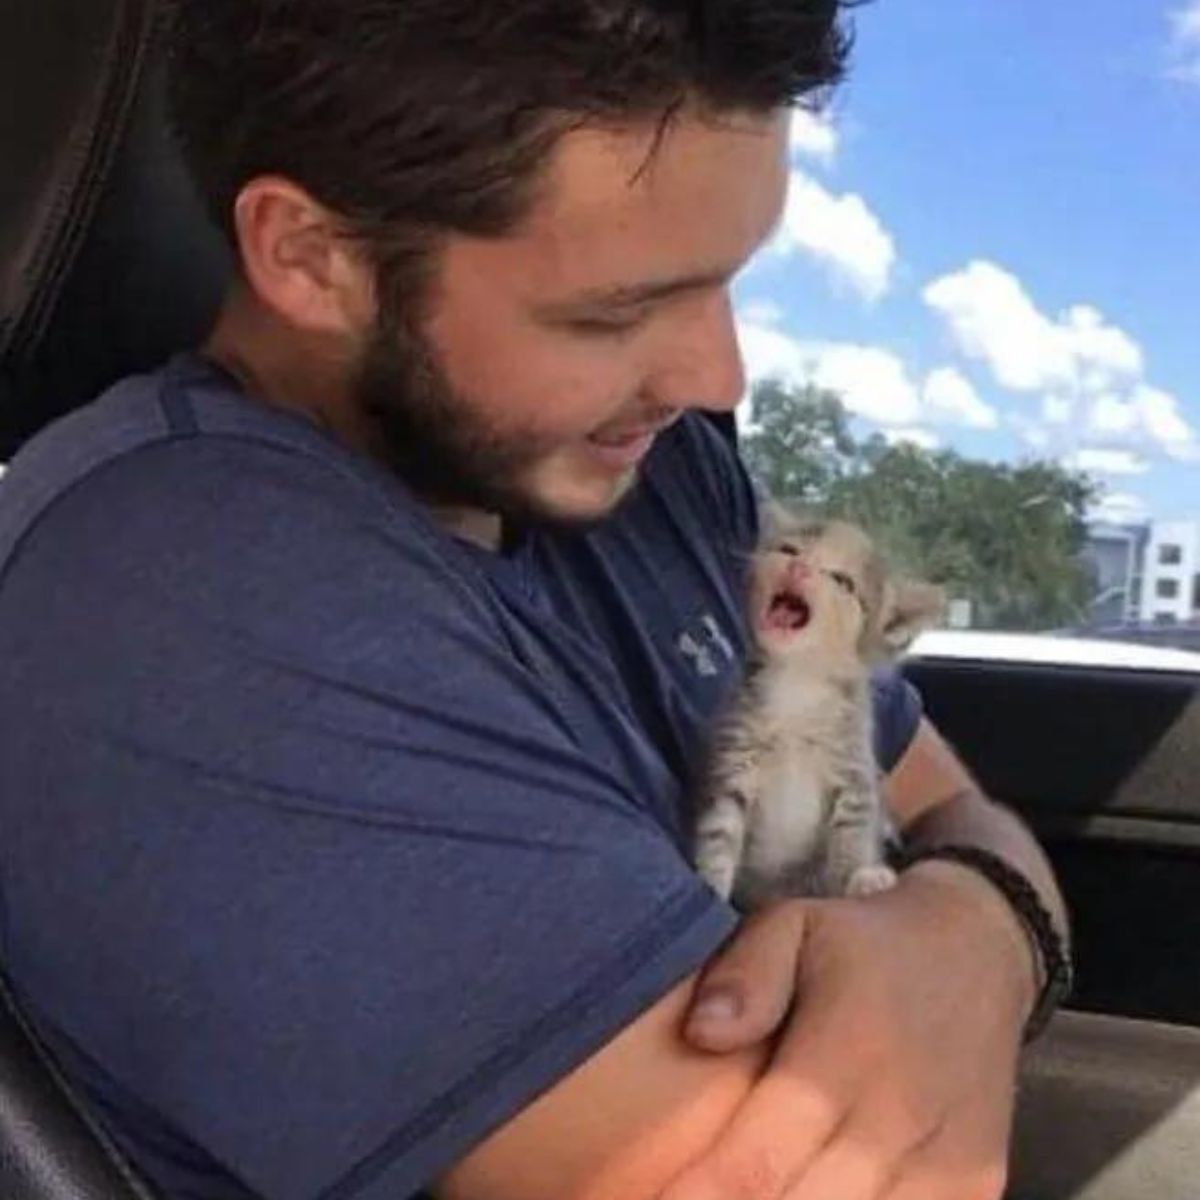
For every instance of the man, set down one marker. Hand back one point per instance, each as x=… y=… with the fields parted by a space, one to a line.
x=348 y=708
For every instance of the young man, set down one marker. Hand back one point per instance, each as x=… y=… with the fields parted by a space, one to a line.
x=355 y=667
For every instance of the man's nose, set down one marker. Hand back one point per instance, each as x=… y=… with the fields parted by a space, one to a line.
x=704 y=368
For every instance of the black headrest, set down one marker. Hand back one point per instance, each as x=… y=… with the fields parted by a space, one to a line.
x=51 y=1148
x=107 y=263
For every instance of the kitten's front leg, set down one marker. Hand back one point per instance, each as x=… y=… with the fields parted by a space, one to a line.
x=854 y=860
x=720 y=841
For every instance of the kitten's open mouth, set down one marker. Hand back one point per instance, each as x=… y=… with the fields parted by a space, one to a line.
x=788 y=612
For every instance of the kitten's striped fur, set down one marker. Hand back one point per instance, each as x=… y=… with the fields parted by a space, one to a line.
x=791 y=803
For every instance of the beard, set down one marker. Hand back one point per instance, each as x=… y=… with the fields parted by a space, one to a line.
x=431 y=436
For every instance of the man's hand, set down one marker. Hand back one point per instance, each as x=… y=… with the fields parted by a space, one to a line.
x=872 y=1055
x=898 y=1022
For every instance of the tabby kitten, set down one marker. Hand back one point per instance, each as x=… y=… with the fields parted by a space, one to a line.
x=791 y=804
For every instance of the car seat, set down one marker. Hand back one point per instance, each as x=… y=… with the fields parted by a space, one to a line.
x=107 y=266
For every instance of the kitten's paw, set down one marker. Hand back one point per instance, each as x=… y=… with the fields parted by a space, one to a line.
x=720 y=878
x=869 y=881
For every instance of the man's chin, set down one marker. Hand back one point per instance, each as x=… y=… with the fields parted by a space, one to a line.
x=575 y=502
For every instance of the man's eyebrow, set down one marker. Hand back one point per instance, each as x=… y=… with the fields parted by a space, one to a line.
x=628 y=295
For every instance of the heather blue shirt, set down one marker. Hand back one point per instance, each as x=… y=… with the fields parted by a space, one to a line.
x=329 y=840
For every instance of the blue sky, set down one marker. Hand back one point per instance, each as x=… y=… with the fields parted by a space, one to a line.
x=993 y=242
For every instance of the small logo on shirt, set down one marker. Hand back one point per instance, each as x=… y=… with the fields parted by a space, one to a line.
x=706 y=647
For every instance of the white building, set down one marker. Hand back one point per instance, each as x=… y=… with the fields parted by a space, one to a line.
x=1117 y=556
x=1170 y=592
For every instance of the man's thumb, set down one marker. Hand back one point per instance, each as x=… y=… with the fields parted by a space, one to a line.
x=746 y=992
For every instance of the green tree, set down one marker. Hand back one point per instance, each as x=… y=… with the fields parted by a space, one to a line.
x=1006 y=537
x=800 y=443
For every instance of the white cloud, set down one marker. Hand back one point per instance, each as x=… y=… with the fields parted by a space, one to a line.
x=952 y=400
x=1102 y=352
x=872 y=382
x=1090 y=373
x=1033 y=434
x=814 y=135
x=924 y=439
x=1120 y=508
x=1187 y=22
x=1148 y=416
x=993 y=320
x=1058 y=410
x=1111 y=415
x=769 y=353
x=1102 y=461
x=1163 y=421
x=1185 y=43
x=841 y=232
x=762 y=312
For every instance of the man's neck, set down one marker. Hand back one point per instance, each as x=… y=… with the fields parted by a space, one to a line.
x=289 y=369
x=472 y=525
x=281 y=368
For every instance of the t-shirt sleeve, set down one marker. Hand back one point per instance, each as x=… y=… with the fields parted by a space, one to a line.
x=898 y=712
x=735 y=501
x=345 y=892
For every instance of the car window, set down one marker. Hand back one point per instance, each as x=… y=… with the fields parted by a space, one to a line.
x=973 y=328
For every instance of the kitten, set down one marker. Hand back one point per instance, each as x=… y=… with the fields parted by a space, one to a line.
x=791 y=802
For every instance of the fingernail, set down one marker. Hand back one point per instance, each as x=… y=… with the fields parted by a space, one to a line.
x=721 y=1004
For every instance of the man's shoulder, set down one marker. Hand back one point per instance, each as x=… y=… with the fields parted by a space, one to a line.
x=185 y=404
x=191 y=454
x=180 y=509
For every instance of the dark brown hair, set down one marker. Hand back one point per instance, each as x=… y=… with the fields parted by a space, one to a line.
x=410 y=118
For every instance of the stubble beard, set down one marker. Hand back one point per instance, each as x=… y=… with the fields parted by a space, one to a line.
x=436 y=442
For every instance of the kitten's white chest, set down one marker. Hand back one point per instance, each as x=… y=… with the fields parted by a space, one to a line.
x=788 y=818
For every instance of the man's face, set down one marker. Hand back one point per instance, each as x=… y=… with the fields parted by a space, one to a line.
x=550 y=358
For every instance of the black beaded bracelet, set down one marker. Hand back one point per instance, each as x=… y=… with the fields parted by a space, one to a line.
x=1058 y=972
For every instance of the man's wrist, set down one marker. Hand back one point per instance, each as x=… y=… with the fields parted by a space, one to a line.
x=1053 y=972
x=966 y=886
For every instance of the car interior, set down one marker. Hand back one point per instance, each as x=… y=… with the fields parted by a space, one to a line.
x=107 y=266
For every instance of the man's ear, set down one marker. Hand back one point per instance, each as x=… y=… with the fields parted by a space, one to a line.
x=298 y=261
x=909 y=608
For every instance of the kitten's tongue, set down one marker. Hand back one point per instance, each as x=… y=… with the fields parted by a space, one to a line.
x=788 y=610
x=788 y=613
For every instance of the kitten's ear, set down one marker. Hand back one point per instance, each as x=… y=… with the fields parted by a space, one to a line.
x=774 y=517
x=779 y=520
x=909 y=608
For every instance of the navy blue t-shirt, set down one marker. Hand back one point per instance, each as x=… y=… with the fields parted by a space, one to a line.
x=330 y=841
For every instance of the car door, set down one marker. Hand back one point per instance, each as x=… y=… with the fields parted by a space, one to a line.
x=1103 y=761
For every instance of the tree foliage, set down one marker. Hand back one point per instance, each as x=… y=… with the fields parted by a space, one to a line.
x=1006 y=537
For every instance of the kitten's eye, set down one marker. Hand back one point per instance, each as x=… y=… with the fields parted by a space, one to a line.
x=788 y=548
x=844 y=582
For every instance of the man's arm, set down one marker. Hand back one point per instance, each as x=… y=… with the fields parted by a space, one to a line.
x=936 y=802
x=892 y=1078
x=622 y=1126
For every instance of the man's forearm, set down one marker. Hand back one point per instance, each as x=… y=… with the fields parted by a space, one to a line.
x=968 y=818
x=937 y=803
